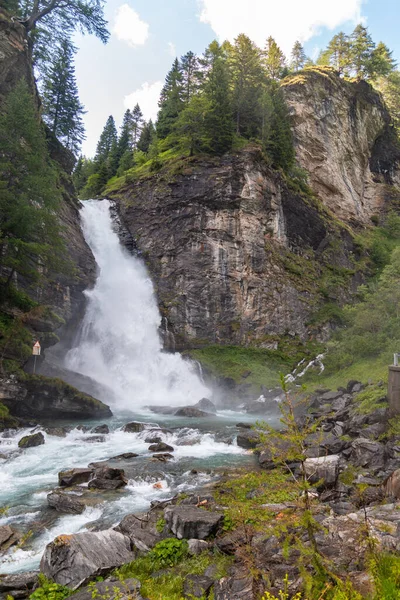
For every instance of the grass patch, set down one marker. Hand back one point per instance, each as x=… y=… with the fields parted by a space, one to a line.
x=370 y=399
x=364 y=370
x=236 y=362
x=169 y=584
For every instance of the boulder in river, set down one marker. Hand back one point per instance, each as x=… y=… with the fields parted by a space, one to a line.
x=135 y=427
x=190 y=522
x=73 y=560
x=161 y=447
x=163 y=457
x=206 y=405
x=248 y=438
x=30 y=441
x=74 y=477
x=108 y=478
x=124 y=456
x=66 y=503
x=8 y=537
x=191 y=412
x=101 y=429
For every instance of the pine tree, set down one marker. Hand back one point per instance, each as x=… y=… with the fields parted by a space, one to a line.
x=362 y=47
x=29 y=194
x=279 y=141
x=137 y=125
x=339 y=53
x=125 y=141
x=274 y=60
x=107 y=140
x=190 y=127
x=298 y=57
x=389 y=87
x=190 y=75
x=218 y=121
x=62 y=109
x=246 y=69
x=382 y=61
x=171 y=102
x=146 y=137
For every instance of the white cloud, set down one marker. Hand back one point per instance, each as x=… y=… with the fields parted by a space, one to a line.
x=172 y=49
x=128 y=26
x=147 y=97
x=286 y=20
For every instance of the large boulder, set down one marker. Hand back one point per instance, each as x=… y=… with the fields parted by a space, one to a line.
x=206 y=405
x=241 y=585
x=65 y=503
x=161 y=447
x=142 y=532
x=191 y=412
x=134 y=427
x=42 y=397
x=101 y=429
x=74 y=477
x=30 y=441
x=248 y=438
x=73 y=560
x=197 y=586
x=367 y=453
x=190 y=522
x=323 y=468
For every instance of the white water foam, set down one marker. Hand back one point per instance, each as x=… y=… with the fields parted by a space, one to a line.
x=119 y=344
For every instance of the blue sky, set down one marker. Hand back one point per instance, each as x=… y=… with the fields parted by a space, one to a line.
x=146 y=35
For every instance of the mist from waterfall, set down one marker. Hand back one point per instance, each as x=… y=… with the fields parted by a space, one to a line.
x=118 y=344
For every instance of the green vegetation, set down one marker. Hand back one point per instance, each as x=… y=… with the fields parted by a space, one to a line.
x=168 y=585
x=49 y=590
x=168 y=553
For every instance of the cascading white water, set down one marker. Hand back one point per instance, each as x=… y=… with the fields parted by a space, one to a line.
x=119 y=345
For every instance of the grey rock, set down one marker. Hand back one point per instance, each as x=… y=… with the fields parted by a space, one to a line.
x=56 y=431
x=231 y=541
x=368 y=453
x=124 y=456
x=141 y=530
x=189 y=522
x=66 y=503
x=101 y=429
x=191 y=412
x=248 y=438
x=72 y=560
x=106 y=589
x=330 y=396
x=94 y=439
x=74 y=477
x=153 y=439
x=107 y=478
x=235 y=588
x=161 y=447
x=196 y=586
x=244 y=425
x=325 y=468
x=19 y=585
x=30 y=441
x=8 y=537
x=197 y=546
x=135 y=427
x=206 y=405
x=162 y=457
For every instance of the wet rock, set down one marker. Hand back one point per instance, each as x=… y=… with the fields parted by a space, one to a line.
x=101 y=429
x=107 y=478
x=197 y=547
x=325 y=468
x=248 y=438
x=134 y=427
x=125 y=456
x=190 y=522
x=74 y=477
x=162 y=457
x=30 y=441
x=244 y=425
x=191 y=412
x=94 y=439
x=160 y=447
x=206 y=405
x=163 y=410
x=72 y=560
x=8 y=537
x=66 y=503
x=57 y=431
x=196 y=586
x=129 y=588
x=19 y=585
x=153 y=439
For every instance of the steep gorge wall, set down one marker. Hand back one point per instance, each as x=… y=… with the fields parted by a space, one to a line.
x=344 y=140
x=236 y=256
x=61 y=294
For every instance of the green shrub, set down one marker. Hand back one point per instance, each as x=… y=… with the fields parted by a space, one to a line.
x=49 y=590
x=168 y=553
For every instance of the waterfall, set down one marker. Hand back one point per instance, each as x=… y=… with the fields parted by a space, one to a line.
x=118 y=344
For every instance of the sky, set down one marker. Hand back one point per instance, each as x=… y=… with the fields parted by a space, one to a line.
x=147 y=35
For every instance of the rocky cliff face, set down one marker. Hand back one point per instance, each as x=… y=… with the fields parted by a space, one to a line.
x=343 y=140
x=61 y=295
x=236 y=256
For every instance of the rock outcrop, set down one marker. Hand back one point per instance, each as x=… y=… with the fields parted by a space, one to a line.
x=343 y=140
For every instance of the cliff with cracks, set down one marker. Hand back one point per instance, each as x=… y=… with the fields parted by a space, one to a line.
x=50 y=302
x=241 y=254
